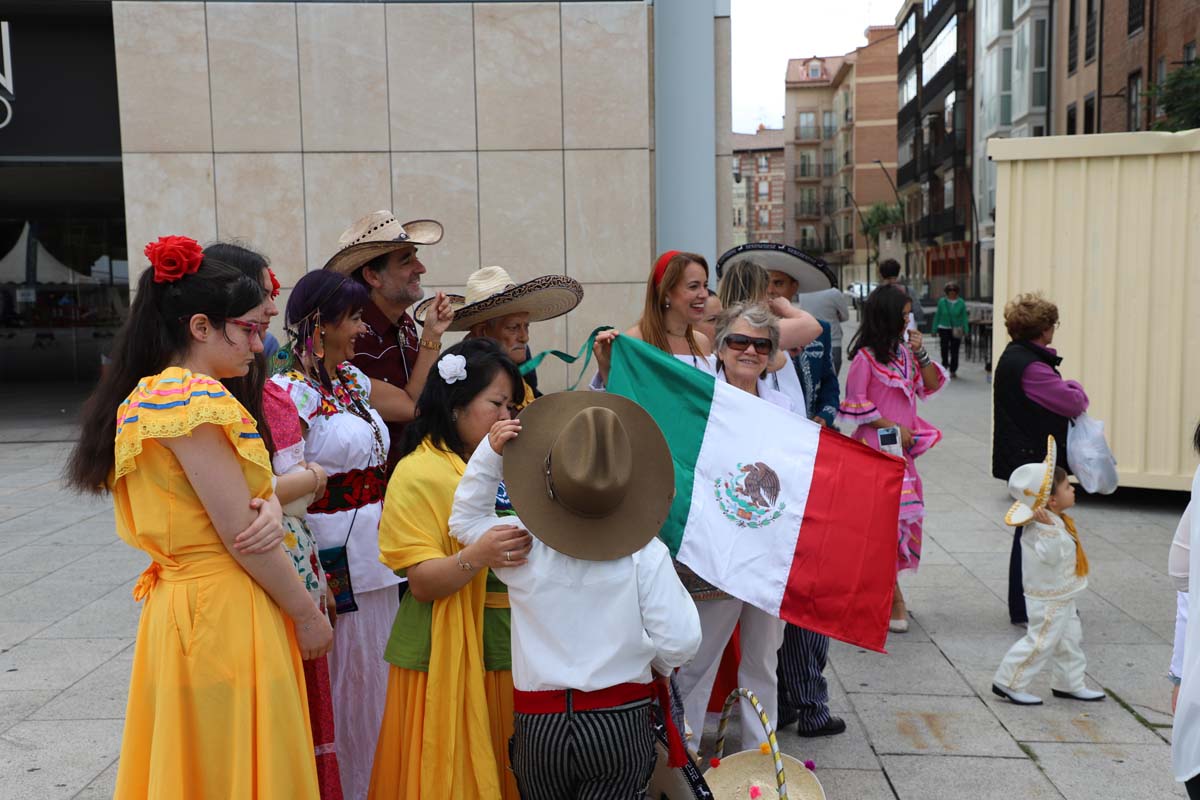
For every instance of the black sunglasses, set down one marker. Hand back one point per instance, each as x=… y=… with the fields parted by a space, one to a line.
x=739 y=342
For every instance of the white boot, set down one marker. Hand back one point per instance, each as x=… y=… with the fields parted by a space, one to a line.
x=1018 y=698
x=1085 y=694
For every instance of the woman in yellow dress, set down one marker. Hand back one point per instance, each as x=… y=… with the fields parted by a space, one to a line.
x=217 y=703
x=449 y=714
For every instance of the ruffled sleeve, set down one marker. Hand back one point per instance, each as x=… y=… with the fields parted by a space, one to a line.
x=304 y=396
x=173 y=404
x=281 y=417
x=857 y=408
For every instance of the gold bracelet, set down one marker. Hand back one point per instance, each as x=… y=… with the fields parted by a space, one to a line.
x=428 y=345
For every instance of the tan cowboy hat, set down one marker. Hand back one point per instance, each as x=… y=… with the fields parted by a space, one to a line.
x=1030 y=486
x=378 y=233
x=736 y=774
x=492 y=293
x=590 y=475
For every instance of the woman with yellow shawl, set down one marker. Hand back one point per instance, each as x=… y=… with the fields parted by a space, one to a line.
x=449 y=713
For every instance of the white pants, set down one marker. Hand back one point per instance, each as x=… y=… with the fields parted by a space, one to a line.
x=761 y=637
x=358 y=682
x=1054 y=633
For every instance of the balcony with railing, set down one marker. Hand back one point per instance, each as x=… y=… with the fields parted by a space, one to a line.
x=827 y=169
x=952 y=75
x=951 y=150
x=808 y=209
x=1072 y=50
x=807 y=171
x=936 y=19
x=848 y=241
x=830 y=131
x=907 y=115
x=811 y=245
x=828 y=207
x=947 y=221
x=907 y=173
x=808 y=133
x=848 y=116
x=1089 y=48
x=909 y=54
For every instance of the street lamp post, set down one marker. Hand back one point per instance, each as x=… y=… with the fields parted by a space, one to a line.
x=903 y=212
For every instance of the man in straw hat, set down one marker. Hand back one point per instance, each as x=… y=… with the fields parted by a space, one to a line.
x=497 y=307
x=381 y=253
x=1054 y=570
x=598 y=614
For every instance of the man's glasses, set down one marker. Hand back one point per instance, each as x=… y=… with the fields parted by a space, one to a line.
x=738 y=343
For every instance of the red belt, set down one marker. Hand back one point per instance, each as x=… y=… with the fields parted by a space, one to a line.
x=555 y=701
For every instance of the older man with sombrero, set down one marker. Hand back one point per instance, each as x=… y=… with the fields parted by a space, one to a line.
x=597 y=610
x=497 y=307
x=381 y=253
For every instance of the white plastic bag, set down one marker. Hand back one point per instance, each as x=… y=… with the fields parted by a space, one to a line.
x=1091 y=460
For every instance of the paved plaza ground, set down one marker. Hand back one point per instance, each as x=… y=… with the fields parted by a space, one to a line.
x=922 y=720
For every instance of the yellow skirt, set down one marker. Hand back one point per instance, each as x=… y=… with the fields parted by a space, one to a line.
x=397 y=774
x=217 y=705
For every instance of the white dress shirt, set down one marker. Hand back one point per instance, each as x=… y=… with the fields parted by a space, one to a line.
x=578 y=624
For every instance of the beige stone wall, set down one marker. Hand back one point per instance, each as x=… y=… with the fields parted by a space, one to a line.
x=526 y=128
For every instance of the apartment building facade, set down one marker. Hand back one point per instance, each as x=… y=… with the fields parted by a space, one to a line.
x=759 y=177
x=841 y=113
x=934 y=134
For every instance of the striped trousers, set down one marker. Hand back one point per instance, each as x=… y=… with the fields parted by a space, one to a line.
x=802 y=685
x=584 y=755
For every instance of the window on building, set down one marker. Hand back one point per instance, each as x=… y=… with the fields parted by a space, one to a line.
x=948 y=190
x=764 y=217
x=1089 y=52
x=906 y=32
x=908 y=149
x=941 y=52
x=827 y=198
x=1133 y=101
x=950 y=114
x=764 y=189
x=1071 y=120
x=1041 y=78
x=829 y=120
x=1137 y=15
x=764 y=163
x=1089 y=114
x=1039 y=130
x=1006 y=15
x=908 y=87
x=1021 y=71
x=739 y=216
x=1189 y=53
x=1160 y=79
x=1006 y=85
x=929 y=4
x=827 y=161
x=814 y=70
x=807 y=125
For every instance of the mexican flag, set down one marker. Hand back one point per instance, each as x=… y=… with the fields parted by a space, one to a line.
x=770 y=507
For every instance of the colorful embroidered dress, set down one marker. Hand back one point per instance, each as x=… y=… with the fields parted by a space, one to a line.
x=890 y=391
x=301 y=545
x=449 y=712
x=214 y=651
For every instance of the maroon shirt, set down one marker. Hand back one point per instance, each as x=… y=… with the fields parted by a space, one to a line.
x=387 y=352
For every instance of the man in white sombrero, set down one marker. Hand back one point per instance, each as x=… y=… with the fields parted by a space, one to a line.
x=499 y=308
x=381 y=253
x=599 y=616
x=1054 y=571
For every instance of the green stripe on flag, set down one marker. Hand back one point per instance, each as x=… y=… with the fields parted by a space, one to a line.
x=678 y=397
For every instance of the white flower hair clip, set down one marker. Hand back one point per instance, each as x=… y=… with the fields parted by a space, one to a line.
x=452 y=367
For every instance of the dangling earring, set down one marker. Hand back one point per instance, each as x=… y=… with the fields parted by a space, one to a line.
x=319 y=351
x=667 y=304
x=454 y=416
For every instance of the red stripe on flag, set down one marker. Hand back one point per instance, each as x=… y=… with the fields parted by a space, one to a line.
x=844 y=568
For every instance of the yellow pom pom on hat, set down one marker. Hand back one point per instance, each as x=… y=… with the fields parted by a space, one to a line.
x=1030 y=486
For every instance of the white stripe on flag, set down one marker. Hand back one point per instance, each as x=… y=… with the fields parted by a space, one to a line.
x=750 y=558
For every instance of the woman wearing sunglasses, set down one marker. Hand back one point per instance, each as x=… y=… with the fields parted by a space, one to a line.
x=889 y=372
x=747 y=339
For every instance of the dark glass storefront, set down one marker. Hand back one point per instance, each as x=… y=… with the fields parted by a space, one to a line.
x=64 y=284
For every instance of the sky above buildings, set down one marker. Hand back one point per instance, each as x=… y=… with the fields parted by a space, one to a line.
x=766 y=33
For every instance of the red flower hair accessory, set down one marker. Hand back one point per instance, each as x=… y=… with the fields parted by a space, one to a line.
x=172 y=257
x=274 y=283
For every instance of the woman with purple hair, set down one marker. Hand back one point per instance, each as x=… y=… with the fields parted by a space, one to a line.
x=340 y=414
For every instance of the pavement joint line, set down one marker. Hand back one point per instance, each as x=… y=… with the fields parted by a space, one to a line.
x=1136 y=715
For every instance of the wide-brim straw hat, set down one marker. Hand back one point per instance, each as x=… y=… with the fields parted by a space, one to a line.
x=1030 y=486
x=377 y=233
x=492 y=293
x=813 y=274
x=590 y=474
x=736 y=774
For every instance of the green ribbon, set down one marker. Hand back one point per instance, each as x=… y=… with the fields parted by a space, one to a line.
x=585 y=353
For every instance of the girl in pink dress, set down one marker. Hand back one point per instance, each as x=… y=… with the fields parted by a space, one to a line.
x=885 y=379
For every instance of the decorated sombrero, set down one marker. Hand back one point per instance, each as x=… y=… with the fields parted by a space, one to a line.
x=492 y=293
x=377 y=233
x=813 y=274
x=1030 y=486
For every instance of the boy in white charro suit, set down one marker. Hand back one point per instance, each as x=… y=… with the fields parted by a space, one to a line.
x=1054 y=570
